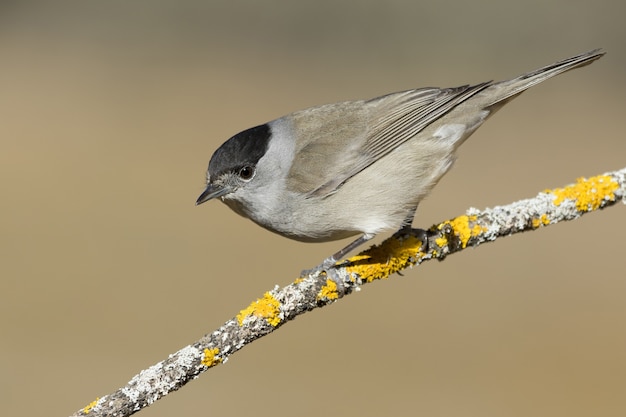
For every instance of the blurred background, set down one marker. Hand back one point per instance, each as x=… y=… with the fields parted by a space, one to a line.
x=109 y=113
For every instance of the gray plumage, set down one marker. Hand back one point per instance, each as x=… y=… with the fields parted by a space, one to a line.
x=357 y=167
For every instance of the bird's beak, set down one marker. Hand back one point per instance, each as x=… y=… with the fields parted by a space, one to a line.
x=212 y=191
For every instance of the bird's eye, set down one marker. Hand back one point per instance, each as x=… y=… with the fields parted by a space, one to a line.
x=246 y=173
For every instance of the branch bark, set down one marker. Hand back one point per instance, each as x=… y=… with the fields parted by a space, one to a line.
x=403 y=249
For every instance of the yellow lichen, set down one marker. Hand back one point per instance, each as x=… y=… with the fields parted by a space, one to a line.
x=381 y=261
x=210 y=357
x=328 y=291
x=542 y=220
x=462 y=229
x=477 y=230
x=267 y=307
x=588 y=194
x=90 y=406
x=359 y=258
x=441 y=241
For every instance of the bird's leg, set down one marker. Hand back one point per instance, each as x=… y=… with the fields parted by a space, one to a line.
x=407 y=227
x=332 y=260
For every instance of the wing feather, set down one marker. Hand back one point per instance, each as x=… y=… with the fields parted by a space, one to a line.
x=384 y=124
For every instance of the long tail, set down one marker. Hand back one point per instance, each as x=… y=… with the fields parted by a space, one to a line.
x=511 y=88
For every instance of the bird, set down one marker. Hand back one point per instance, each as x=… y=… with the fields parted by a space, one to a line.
x=360 y=167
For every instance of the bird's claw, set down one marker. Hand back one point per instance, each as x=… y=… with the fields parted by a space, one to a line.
x=329 y=267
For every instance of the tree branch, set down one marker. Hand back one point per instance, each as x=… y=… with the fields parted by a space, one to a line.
x=403 y=249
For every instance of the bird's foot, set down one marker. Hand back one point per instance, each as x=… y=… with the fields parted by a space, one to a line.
x=327 y=267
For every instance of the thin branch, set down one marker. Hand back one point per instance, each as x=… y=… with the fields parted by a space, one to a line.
x=402 y=250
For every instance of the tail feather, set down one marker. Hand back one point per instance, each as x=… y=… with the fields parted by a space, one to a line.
x=516 y=86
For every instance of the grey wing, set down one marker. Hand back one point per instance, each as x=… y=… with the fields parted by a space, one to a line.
x=391 y=121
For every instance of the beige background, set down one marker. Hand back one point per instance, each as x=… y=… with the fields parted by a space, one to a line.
x=109 y=113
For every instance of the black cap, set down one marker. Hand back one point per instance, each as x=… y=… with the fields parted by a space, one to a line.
x=245 y=148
